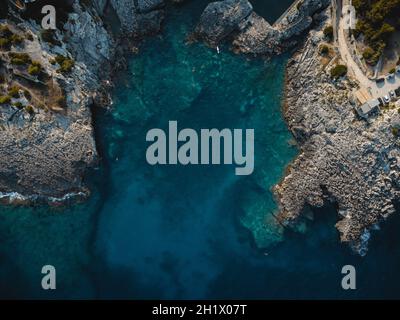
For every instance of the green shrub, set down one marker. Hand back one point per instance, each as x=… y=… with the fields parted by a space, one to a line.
x=35 y=68
x=377 y=20
x=393 y=70
x=19 y=58
x=5 y=31
x=395 y=131
x=5 y=99
x=14 y=91
x=324 y=50
x=371 y=56
x=328 y=32
x=368 y=53
x=338 y=71
x=18 y=62
x=66 y=64
x=16 y=39
x=59 y=59
x=30 y=110
x=4 y=43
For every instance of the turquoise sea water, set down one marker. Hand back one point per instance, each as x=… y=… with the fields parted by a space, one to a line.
x=187 y=232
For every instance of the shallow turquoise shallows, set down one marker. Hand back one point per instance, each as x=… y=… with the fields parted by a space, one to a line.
x=188 y=231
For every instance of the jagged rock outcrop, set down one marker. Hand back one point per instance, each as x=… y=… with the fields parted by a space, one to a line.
x=343 y=159
x=259 y=37
x=88 y=41
x=252 y=34
x=221 y=18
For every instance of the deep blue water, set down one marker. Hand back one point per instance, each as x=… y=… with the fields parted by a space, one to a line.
x=188 y=232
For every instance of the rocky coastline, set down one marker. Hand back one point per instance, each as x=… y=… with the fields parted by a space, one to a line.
x=235 y=22
x=342 y=159
x=47 y=148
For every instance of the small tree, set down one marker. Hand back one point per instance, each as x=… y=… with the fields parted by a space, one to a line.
x=328 y=32
x=35 y=68
x=338 y=71
x=4 y=43
x=14 y=91
x=16 y=39
x=62 y=101
x=324 y=50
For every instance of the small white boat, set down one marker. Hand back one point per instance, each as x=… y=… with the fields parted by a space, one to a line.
x=219 y=51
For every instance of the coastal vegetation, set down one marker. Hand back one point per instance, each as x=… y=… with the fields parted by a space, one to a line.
x=324 y=50
x=377 y=21
x=14 y=91
x=62 y=101
x=8 y=38
x=30 y=109
x=18 y=105
x=35 y=68
x=18 y=58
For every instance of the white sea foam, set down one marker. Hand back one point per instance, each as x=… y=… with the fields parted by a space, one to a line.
x=15 y=197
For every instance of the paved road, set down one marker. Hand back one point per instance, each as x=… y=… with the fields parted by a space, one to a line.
x=376 y=90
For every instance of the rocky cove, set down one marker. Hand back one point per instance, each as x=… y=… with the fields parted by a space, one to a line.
x=202 y=232
x=97 y=53
x=342 y=160
x=31 y=170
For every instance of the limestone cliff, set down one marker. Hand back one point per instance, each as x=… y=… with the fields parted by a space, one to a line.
x=49 y=82
x=236 y=22
x=343 y=159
